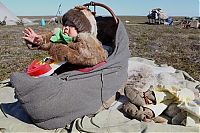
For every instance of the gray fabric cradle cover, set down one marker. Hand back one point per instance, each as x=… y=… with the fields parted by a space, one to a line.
x=55 y=101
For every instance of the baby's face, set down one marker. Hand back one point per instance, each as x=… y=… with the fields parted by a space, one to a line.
x=70 y=31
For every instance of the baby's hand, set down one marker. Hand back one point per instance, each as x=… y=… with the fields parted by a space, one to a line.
x=31 y=36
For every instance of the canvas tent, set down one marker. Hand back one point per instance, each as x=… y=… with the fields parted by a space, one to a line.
x=11 y=18
x=157 y=14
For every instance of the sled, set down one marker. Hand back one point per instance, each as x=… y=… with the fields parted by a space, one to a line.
x=57 y=100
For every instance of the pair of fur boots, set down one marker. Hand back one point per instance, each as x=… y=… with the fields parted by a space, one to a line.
x=135 y=108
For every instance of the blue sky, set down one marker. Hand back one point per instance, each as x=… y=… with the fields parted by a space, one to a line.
x=120 y=7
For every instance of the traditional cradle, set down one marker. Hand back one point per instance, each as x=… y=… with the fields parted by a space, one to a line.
x=55 y=101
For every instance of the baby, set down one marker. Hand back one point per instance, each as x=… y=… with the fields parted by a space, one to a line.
x=75 y=43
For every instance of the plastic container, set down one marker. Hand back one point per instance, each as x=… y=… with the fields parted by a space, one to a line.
x=42 y=22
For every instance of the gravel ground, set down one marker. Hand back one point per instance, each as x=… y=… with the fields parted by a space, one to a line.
x=170 y=45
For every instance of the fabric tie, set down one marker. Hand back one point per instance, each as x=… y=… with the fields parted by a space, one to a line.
x=59 y=37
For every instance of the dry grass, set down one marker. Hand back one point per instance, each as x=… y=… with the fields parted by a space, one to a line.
x=170 y=45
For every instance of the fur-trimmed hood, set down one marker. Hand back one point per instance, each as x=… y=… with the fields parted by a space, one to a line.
x=82 y=18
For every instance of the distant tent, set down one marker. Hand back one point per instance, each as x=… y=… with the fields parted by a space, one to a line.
x=28 y=22
x=157 y=14
x=9 y=17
